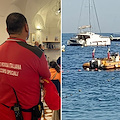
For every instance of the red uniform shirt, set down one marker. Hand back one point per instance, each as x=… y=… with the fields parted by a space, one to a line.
x=21 y=66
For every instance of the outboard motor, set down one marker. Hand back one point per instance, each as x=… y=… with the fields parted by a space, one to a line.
x=95 y=64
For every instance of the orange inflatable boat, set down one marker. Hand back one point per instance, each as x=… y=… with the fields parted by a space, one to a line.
x=112 y=62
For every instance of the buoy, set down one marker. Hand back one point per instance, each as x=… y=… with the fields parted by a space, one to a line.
x=63 y=50
x=79 y=90
x=87 y=69
x=79 y=70
x=96 y=69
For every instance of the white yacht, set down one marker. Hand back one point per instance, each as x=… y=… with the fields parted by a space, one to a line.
x=89 y=38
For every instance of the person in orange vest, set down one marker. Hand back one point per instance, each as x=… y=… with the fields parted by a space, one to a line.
x=55 y=74
x=56 y=79
x=22 y=67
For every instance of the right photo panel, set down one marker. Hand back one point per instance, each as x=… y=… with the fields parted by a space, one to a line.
x=90 y=60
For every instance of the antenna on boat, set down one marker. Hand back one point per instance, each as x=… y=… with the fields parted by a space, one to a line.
x=108 y=53
x=93 y=53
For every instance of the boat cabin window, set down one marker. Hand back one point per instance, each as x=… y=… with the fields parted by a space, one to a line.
x=84 y=37
x=79 y=37
x=73 y=41
x=87 y=36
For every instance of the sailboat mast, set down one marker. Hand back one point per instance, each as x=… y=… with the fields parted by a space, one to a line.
x=90 y=14
x=90 y=5
x=96 y=16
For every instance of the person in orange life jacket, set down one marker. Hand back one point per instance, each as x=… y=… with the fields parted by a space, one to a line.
x=55 y=74
x=56 y=79
x=22 y=67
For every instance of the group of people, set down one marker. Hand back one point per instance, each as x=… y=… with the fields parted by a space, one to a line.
x=22 y=69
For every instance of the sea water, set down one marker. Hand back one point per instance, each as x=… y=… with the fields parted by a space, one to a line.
x=89 y=95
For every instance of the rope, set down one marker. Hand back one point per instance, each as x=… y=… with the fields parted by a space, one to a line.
x=89 y=14
x=96 y=16
x=80 y=13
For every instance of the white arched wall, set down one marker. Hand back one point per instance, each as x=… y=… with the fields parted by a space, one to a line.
x=48 y=22
x=43 y=9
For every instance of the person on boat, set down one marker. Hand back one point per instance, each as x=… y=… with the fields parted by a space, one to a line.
x=93 y=53
x=108 y=53
x=56 y=79
x=22 y=67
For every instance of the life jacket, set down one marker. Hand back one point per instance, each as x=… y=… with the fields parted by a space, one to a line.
x=55 y=75
x=56 y=79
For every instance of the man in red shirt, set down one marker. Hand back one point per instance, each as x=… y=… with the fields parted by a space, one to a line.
x=22 y=66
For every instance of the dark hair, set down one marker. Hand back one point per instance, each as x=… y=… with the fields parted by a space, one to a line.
x=40 y=45
x=59 y=61
x=15 y=23
x=53 y=64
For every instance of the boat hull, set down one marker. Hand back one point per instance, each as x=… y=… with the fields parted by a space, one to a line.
x=104 y=64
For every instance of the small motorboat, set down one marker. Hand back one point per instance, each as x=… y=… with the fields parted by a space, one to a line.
x=73 y=42
x=111 y=62
x=112 y=38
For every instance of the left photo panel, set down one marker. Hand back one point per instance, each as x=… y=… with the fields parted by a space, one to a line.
x=30 y=60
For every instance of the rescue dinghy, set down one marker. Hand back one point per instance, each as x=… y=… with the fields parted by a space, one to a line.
x=111 y=62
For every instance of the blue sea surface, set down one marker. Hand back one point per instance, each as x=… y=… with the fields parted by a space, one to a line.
x=89 y=95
